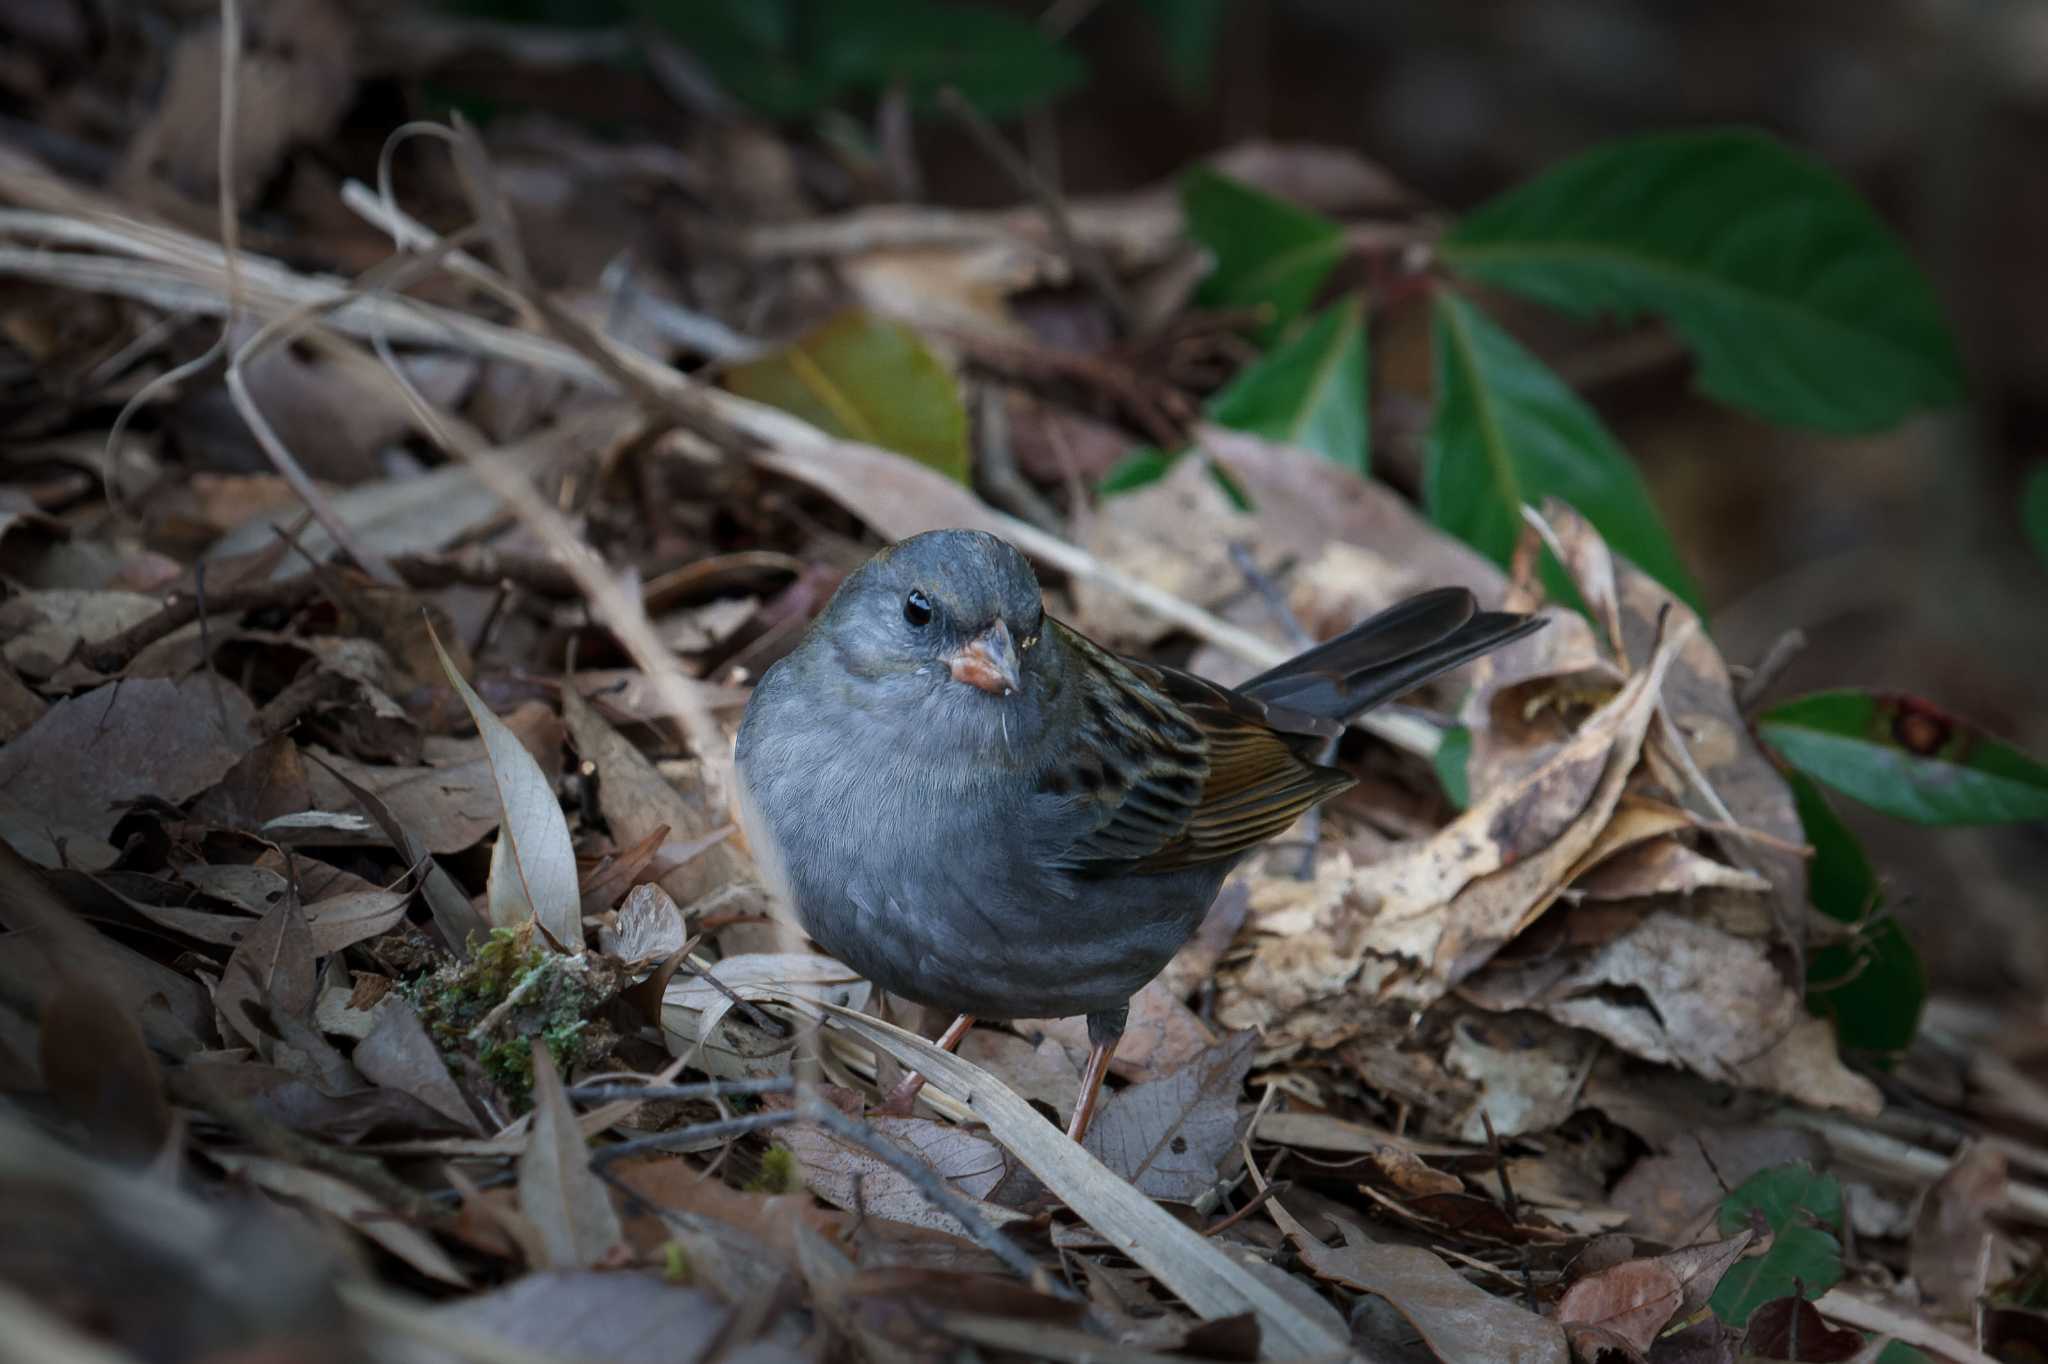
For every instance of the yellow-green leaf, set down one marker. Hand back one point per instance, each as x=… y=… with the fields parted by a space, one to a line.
x=866 y=378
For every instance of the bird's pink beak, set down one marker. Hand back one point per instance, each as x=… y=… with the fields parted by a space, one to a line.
x=988 y=661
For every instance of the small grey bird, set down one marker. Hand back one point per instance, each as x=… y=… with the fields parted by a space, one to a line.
x=979 y=809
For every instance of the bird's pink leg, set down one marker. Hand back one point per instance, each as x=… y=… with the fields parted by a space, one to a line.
x=899 y=1100
x=1091 y=1086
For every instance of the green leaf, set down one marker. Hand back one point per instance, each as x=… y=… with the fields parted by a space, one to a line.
x=1509 y=431
x=1269 y=253
x=1802 y=1209
x=789 y=59
x=2034 y=511
x=1137 y=468
x=869 y=379
x=1310 y=390
x=1903 y=756
x=1801 y=305
x=1453 y=765
x=1875 y=987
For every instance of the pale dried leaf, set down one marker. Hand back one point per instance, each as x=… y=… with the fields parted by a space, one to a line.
x=533 y=864
x=650 y=927
x=568 y=1204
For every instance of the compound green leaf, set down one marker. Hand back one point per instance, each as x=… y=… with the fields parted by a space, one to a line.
x=1799 y=303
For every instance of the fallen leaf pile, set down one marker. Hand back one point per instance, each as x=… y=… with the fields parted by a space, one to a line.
x=383 y=975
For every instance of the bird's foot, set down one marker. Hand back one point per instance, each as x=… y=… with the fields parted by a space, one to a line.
x=902 y=1098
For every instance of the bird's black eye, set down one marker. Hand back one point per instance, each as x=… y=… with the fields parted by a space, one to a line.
x=917 y=609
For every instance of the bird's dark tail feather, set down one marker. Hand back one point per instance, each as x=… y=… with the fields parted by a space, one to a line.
x=1395 y=651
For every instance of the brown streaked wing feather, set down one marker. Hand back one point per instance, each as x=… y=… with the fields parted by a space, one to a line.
x=1206 y=772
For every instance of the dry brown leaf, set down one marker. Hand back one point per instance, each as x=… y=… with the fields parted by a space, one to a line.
x=344 y=920
x=399 y=1055
x=568 y=1204
x=1045 y=1073
x=591 y=1314
x=1529 y=1073
x=1699 y=700
x=1664 y=866
x=1635 y=1299
x=1171 y=1137
x=1630 y=1302
x=1196 y=1269
x=1672 y=1197
x=66 y=778
x=295 y=78
x=352 y=1207
x=673 y=1185
x=1462 y=1323
x=1712 y=1003
x=97 y=1067
x=1161 y=1035
x=453 y=913
x=1951 y=1252
x=1174 y=534
x=272 y=973
x=1430 y=913
x=636 y=799
x=849 y=1176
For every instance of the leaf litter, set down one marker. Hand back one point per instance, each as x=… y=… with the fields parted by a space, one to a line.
x=336 y=896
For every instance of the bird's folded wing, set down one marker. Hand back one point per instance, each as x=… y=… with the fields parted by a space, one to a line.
x=1180 y=772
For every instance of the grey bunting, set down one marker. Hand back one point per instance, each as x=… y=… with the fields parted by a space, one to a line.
x=980 y=810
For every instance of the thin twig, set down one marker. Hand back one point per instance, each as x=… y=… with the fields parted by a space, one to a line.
x=774 y=1027
x=1085 y=261
x=707 y=1089
x=1776 y=659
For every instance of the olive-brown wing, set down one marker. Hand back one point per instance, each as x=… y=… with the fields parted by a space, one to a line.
x=1181 y=772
